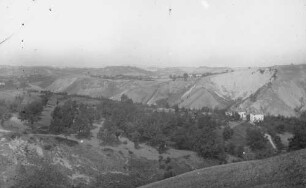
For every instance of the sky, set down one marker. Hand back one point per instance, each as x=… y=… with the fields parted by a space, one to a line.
x=164 y=33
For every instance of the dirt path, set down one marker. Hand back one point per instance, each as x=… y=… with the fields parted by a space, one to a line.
x=46 y=115
x=270 y=140
x=4 y=131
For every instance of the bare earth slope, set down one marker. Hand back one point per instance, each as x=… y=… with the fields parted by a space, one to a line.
x=285 y=95
x=285 y=171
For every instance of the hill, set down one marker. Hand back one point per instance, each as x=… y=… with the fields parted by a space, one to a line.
x=121 y=70
x=190 y=70
x=278 y=90
x=285 y=95
x=284 y=171
x=219 y=90
x=56 y=161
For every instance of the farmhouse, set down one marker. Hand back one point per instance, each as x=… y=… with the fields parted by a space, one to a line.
x=256 y=118
x=229 y=114
x=198 y=75
x=243 y=115
x=167 y=110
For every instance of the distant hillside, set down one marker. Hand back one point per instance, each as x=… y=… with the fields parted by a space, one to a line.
x=121 y=70
x=285 y=95
x=273 y=90
x=190 y=70
x=284 y=171
x=223 y=90
x=17 y=71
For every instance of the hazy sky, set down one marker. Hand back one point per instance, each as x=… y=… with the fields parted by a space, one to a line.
x=153 y=32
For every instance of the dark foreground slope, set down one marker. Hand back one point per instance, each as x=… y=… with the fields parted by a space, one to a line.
x=287 y=170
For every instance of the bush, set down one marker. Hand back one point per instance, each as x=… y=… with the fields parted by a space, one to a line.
x=48 y=147
x=162 y=166
x=239 y=151
x=168 y=160
x=168 y=174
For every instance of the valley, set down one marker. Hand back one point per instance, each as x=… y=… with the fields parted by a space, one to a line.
x=135 y=132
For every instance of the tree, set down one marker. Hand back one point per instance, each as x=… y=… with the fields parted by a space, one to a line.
x=3 y=111
x=107 y=133
x=206 y=122
x=185 y=76
x=248 y=117
x=227 y=133
x=299 y=139
x=255 y=139
x=303 y=116
x=208 y=145
x=125 y=99
x=173 y=77
x=236 y=116
x=31 y=112
x=82 y=126
x=176 y=108
x=239 y=151
x=163 y=103
x=45 y=97
x=231 y=148
x=63 y=118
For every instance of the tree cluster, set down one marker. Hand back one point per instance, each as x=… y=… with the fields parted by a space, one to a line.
x=280 y=124
x=31 y=112
x=72 y=118
x=142 y=124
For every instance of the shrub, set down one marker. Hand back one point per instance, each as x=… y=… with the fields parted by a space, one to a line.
x=168 y=160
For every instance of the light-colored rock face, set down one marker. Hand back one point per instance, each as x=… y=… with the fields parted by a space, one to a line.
x=240 y=84
x=286 y=95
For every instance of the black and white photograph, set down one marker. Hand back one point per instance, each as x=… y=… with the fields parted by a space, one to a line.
x=152 y=93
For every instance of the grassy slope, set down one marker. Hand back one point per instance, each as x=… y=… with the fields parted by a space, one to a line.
x=288 y=170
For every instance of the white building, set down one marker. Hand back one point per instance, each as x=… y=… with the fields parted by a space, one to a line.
x=167 y=110
x=243 y=115
x=256 y=118
x=229 y=114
